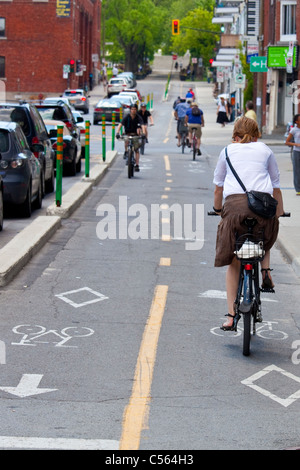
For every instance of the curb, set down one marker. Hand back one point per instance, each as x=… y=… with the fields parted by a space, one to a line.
x=16 y=254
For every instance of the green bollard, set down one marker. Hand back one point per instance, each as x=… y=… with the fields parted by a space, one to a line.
x=121 y=117
x=87 y=149
x=113 y=130
x=59 y=165
x=103 y=139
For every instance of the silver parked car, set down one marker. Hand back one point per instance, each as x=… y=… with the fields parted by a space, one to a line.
x=116 y=85
x=78 y=99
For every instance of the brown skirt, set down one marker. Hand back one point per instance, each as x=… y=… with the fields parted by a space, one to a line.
x=234 y=211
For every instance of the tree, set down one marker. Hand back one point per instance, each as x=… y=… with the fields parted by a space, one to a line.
x=134 y=27
x=199 y=43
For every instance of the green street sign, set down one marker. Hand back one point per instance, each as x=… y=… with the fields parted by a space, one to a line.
x=258 y=64
x=277 y=56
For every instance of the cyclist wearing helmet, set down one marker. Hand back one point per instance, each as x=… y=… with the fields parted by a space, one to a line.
x=145 y=114
x=133 y=125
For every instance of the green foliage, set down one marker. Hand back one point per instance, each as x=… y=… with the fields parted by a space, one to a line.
x=138 y=28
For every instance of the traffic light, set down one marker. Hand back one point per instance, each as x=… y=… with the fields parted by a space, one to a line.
x=175 y=27
x=211 y=61
x=222 y=28
x=78 y=66
x=72 y=64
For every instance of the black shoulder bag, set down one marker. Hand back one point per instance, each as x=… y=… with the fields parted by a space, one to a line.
x=262 y=204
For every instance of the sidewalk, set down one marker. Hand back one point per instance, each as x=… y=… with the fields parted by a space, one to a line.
x=289 y=234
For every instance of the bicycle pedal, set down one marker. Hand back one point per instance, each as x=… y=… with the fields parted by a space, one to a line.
x=268 y=290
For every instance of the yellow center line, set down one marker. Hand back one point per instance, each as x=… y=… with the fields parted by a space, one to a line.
x=165 y=262
x=167 y=163
x=136 y=413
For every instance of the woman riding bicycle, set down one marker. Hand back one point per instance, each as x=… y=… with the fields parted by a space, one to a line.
x=256 y=166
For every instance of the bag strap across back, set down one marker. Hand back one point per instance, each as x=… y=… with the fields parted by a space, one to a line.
x=234 y=172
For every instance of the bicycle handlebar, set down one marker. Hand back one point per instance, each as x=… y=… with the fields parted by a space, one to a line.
x=285 y=214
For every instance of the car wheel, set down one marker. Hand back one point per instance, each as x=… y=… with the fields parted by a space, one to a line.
x=25 y=208
x=43 y=182
x=39 y=198
x=1 y=210
x=78 y=165
x=49 y=184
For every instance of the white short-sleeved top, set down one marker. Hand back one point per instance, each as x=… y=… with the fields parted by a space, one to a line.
x=255 y=164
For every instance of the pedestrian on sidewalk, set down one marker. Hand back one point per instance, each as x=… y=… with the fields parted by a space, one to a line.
x=222 y=112
x=293 y=140
x=250 y=113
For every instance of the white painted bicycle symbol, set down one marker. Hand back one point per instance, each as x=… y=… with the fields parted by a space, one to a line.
x=264 y=330
x=37 y=334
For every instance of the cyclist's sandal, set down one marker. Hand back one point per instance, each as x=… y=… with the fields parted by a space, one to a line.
x=232 y=327
x=267 y=284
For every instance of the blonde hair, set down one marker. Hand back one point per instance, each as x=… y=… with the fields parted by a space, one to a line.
x=246 y=129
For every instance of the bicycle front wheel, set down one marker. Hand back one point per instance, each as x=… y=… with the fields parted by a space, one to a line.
x=143 y=146
x=130 y=163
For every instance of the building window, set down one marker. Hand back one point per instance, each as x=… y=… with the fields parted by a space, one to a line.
x=288 y=20
x=2 y=67
x=2 y=27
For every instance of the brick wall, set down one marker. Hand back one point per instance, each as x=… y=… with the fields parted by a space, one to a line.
x=37 y=44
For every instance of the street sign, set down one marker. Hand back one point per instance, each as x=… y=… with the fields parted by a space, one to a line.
x=240 y=80
x=258 y=64
x=277 y=56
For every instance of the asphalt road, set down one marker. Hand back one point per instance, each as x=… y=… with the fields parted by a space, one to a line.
x=110 y=336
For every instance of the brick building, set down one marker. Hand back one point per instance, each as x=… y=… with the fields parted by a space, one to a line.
x=39 y=37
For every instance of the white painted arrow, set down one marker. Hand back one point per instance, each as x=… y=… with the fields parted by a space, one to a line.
x=28 y=386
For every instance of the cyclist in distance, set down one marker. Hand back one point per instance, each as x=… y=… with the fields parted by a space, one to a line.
x=179 y=113
x=194 y=118
x=133 y=125
x=145 y=114
x=255 y=164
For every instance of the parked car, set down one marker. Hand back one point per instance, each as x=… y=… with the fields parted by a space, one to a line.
x=134 y=90
x=107 y=106
x=131 y=77
x=116 y=85
x=59 y=112
x=126 y=101
x=78 y=99
x=71 y=147
x=57 y=99
x=27 y=116
x=133 y=94
x=81 y=126
x=1 y=203
x=20 y=170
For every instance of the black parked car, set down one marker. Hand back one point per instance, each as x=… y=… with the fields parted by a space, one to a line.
x=20 y=170
x=59 y=111
x=27 y=116
x=1 y=203
x=71 y=147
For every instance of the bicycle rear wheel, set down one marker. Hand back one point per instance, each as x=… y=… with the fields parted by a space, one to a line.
x=247 y=312
x=247 y=333
x=194 y=147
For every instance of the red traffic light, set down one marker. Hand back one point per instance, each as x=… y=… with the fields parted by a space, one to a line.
x=72 y=62
x=211 y=61
x=175 y=27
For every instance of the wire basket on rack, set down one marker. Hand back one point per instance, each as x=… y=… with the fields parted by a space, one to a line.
x=248 y=247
